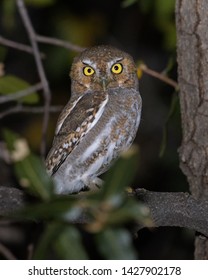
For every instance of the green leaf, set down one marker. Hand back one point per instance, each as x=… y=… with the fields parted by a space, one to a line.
x=3 y=53
x=64 y=240
x=32 y=175
x=44 y=244
x=131 y=211
x=10 y=138
x=112 y=205
x=120 y=176
x=40 y=3
x=10 y=84
x=116 y=244
x=68 y=244
x=170 y=65
x=29 y=168
x=145 y=5
x=127 y=3
x=8 y=15
x=164 y=8
x=173 y=107
x=65 y=208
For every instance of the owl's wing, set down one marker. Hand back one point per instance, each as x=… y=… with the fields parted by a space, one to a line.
x=65 y=112
x=78 y=120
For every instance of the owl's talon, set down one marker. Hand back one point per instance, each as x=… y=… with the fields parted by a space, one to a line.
x=98 y=182
x=94 y=184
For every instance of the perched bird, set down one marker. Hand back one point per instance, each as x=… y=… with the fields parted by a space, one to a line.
x=99 y=121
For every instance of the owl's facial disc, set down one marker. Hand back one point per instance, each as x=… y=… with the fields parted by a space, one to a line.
x=100 y=77
x=106 y=73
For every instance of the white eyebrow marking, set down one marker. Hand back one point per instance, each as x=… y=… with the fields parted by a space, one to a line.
x=115 y=60
x=89 y=62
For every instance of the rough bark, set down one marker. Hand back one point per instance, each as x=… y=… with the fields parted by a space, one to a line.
x=192 y=54
x=176 y=209
x=11 y=199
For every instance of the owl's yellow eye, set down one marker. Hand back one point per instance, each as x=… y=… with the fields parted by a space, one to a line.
x=117 y=68
x=88 y=71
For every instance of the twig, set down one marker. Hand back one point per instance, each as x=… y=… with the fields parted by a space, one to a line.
x=41 y=39
x=4 y=251
x=59 y=43
x=17 y=46
x=41 y=72
x=20 y=94
x=159 y=76
x=19 y=108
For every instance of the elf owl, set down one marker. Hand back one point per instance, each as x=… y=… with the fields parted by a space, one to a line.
x=100 y=120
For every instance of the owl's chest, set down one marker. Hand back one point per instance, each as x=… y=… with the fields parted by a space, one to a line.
x=113 y=133
x=123 y=109
x=119 y=121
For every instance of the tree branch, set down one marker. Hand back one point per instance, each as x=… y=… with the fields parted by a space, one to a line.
x=4 y=251
x=159 y=76
x=167 y=209
x=60 y=43
x=20 y=94
x=17 y=46
x=41 y=72
x=11 y=199
x=176 y=209
x=41 y=39
x=19 y=108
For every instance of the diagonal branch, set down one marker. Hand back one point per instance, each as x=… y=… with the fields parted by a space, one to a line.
x=159 y=76
x=41 y=72
x=4 y=251
x=41 y=39
x=59 y=43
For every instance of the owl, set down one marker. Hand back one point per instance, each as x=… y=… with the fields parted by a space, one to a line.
x=100 y=120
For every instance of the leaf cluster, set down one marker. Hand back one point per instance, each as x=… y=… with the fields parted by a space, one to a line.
x=103 y=216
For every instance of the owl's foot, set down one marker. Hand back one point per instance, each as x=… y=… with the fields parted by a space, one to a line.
x=93 y=184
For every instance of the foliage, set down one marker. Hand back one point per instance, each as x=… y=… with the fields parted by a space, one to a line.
x=10 y=84
x=28 y=167
x=103 y=215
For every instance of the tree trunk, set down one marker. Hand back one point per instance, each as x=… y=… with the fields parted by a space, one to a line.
x=192 y=56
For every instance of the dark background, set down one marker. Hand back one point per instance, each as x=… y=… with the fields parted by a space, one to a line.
x=145 y=29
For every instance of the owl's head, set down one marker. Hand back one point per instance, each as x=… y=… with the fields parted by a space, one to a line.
x=101 y=68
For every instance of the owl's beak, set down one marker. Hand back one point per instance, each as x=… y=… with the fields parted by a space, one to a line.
x=104 y=83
